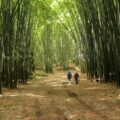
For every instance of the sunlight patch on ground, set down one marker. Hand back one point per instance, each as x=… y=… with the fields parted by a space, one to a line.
x=28 y=82
x=92 y=88
x=38 y=77
x=9 y=95
x=34 y=85
x=21 y=86
x=1 y=95
x=54 y=80
x=118 y=97
x=83 y=79
x=102 y=99
x=72 y=116
x=96 y=88
x=50 y=80
x=30 y=95
x=13 y=95
x=68 y=100
x=56 y=85
x=35 y=96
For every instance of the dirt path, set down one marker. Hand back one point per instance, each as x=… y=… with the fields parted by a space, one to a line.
x=53 y=98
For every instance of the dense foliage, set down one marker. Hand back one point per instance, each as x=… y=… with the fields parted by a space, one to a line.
x=100 y=37
x=16 y=54
x=47 y=32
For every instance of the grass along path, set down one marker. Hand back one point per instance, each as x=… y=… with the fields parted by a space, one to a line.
x=53 y=98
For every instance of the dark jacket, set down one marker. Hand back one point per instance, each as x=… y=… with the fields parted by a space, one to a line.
x=76 y=76
x=69 y=75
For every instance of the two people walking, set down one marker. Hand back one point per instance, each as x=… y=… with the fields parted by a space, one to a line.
x=76 y=76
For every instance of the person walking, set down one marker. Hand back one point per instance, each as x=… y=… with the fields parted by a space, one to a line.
x=69 y=75
x=76 y=77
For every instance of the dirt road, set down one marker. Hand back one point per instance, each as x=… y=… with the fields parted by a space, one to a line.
x=53 y=98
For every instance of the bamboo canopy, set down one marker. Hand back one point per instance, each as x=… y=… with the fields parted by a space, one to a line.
x=47 y=32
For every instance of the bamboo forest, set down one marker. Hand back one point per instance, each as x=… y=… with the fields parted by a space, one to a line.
x=59 y=59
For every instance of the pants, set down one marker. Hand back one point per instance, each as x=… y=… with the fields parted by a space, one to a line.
x=69 y=79
x=76 y=80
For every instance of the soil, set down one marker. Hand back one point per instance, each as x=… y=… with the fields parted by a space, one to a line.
x=52 y=97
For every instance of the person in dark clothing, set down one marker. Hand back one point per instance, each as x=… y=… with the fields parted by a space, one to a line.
x=69 y=75
x=76 y=77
